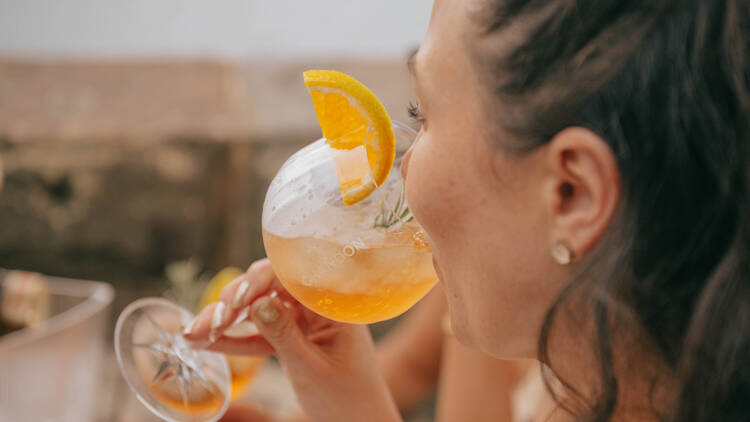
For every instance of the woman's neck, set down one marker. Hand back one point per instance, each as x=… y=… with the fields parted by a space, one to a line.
x=643 y=388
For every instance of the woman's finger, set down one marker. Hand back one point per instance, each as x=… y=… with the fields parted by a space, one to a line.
x=255 y=281
x=235 y=297
x=254 y=343
x=278 y=325
x=254 y=346
x=211 y=322
x=197 y=330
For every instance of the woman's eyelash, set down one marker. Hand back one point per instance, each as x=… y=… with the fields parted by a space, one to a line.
x=414 y=112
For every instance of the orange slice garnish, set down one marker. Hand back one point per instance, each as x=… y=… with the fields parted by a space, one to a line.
x=358 y=130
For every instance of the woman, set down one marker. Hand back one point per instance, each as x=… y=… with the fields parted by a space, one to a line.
x=582 y=174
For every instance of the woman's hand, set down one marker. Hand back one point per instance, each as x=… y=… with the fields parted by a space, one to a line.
x=331 y=365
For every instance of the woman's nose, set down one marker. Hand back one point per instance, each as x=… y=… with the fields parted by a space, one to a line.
x=405 y=162
x=407 y=157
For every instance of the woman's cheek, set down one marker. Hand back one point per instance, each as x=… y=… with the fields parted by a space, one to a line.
x=426 y=194
x=414 y=182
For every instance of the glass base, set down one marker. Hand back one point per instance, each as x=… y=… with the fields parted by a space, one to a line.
x=173 y=380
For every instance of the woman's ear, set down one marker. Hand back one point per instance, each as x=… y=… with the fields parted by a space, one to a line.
x=583 y=188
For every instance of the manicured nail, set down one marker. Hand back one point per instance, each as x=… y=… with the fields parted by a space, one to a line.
x=217 y=319
x=239 y=296
x=242 y=316
x=190 y=327
x=268 y=313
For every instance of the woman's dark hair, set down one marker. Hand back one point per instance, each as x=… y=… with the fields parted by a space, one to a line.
x=666 y=83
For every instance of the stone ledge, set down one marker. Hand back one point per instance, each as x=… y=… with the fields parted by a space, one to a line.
x=68 y=101
x=153 y=101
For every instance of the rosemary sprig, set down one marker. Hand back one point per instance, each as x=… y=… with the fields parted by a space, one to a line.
x=186 y=281
x=387 y=218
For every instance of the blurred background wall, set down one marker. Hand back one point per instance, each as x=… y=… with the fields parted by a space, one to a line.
x=135 y=133
x=237 y=29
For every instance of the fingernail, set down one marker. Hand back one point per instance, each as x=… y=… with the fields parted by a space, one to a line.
x=268 y=313
x=217 y=319
x=239 y=296
x=190 y=327
x=242 y=316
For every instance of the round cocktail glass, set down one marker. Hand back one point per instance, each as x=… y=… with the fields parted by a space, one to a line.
x=358 y=264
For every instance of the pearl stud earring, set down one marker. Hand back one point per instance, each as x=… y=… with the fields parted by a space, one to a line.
x=561 y=253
